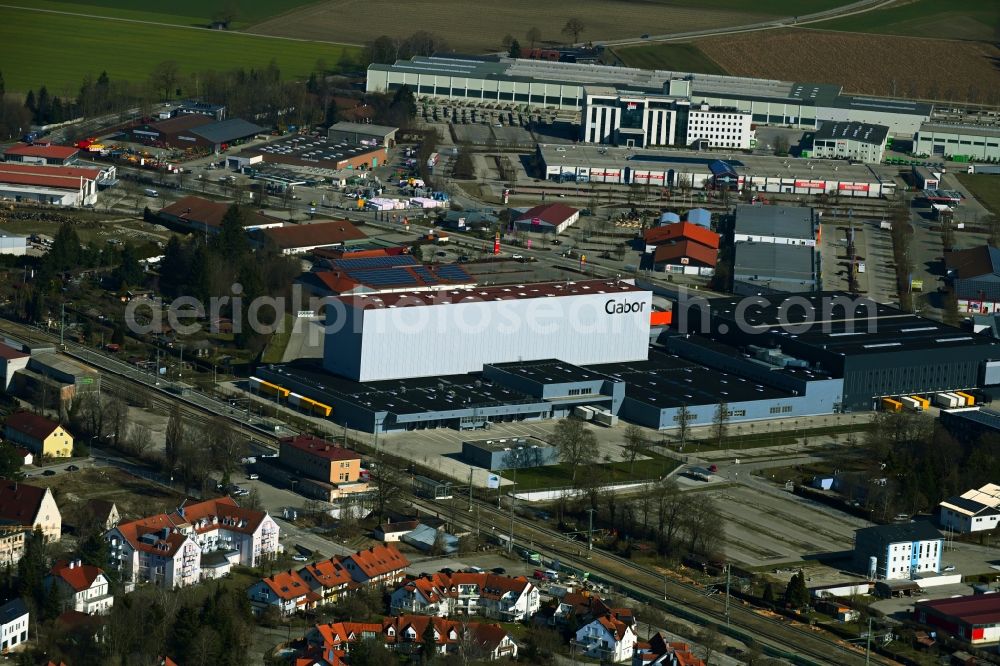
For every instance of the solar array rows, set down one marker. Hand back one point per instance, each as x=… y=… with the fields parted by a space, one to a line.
x=374 y=262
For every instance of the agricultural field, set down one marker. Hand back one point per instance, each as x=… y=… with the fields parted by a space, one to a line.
x=131 y=50
x=985 y=187
x=949 y=70
x=178 y=12
x=977 y=20
x=674 y=57
x=468 y=28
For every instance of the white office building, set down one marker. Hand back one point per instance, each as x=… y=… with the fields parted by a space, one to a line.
x=898 y=552
x=622 y=119
x=851 y=141
x=978 y=142
x=713 y=127
x=13 y=625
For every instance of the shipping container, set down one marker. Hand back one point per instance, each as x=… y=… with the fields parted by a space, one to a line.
x=582 y=412
x=606 y=418
x=890 y=405
x=911 y=404
x=946 y=400
x=924 y=402
x=970 y=401
x=959 y=400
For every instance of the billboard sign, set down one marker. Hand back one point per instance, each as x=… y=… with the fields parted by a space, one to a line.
x=811 y=184
x=854 y=187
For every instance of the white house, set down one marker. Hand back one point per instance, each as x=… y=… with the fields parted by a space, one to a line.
x=166 y=549
x=285 y=591
x=607 y=638
x=83 y=587
x=489 y=595
x=898 y=551
x=972 y=511
x=13 y=624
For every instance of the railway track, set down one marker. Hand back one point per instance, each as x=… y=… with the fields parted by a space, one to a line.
x=782 y=638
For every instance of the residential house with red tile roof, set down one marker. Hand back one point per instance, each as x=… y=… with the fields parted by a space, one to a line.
x=380 y=565
x=659 y=652
x=82 y=587
x=607 y=638
x=30 y=507
x=329 y=579
x=285 y=591
x=166 y=549
x=405 y=633
x=506 y=598
x=40 y=435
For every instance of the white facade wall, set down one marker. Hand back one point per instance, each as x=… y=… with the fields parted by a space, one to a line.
x=13 y=244
x=777 y=240
x=459 y=338
x=849 y=149
x=721 y=128
x=958 y=141
x=963 y=523
x=47 y=195
x=13 y=633
x=904 y=558
x=602 y=121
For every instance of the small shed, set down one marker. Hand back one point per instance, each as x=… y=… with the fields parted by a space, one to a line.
x=431 y=488
x=700 y=216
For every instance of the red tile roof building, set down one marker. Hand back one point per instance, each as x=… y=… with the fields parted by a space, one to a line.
x=683 y=247
x=554 y=217
x=41 y=154
x=166 y=548
x=285 y=590
x=404 y=634
x=84 y=588
x=57 y=185
x=328 y=579
x=320 y=459
x=974 y=619
x=506 y=598
x=659 y=652
x=30 y=507
x=299 y=238
x=205 y=216
x=378 y=565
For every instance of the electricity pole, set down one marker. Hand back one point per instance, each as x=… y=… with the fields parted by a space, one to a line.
x=470 y=488
x=729 y=568
x=590 y=531
x=868 y=646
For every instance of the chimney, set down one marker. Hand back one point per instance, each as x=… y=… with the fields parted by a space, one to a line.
x=72 y=564
x=79 y=563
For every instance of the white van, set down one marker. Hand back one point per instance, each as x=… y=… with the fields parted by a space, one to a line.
x=151 y=193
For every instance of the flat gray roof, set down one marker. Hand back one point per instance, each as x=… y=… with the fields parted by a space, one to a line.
x=779 y=221
x=364 y=128
x=882 y=104
x=863 y=132
x=773 y=261
x=955 y=128
x=691 y=161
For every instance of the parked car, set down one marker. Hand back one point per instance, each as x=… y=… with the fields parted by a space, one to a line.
x=253 y=477
x=72 y=468
x=950 y=567
x=49 y=472
x=300 y=558
x=500 y=571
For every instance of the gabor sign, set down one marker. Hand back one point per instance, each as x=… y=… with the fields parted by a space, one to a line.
x=615 y=307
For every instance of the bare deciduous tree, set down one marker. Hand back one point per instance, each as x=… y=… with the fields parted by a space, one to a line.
x=634 y=444
x=574 y=27
x=575 y=443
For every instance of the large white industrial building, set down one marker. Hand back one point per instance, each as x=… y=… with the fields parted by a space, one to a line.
x=628 y=119
x=426 y=334
x=54 y=185
x=977 y=142
x=561 y=85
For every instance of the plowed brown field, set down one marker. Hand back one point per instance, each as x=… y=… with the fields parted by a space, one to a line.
x=480 y=26
x=866 y=64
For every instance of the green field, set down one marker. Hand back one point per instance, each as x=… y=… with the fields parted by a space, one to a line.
x=955 y=19
x=676 y=57
x=59 y=50
x=177 y=12
x=985 y=187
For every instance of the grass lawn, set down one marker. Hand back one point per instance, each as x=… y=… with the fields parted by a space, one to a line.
x=985 y=187
x=775 y=438
x=955 y=19
x=275 y=349
x=131 y=50
x=676 y=57
x=179 y=12
x=561 y=475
